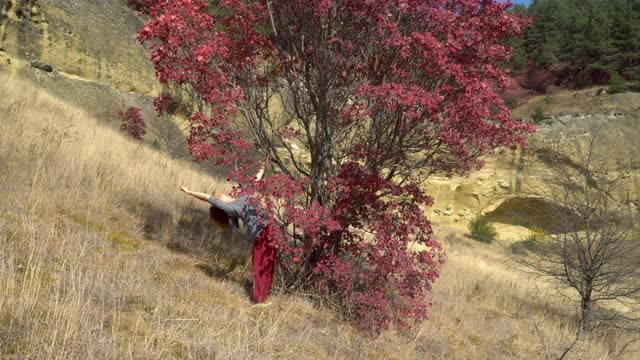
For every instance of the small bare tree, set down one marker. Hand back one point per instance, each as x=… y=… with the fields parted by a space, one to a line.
x=170 y=135
x=591 y=246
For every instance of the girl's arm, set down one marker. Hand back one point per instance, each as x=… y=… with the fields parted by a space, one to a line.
x=222 y=203
x=195 y=194
x=260 y=172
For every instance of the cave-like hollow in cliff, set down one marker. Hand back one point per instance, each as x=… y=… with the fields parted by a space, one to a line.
x=533 y=212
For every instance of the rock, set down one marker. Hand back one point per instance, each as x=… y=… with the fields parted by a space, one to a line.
x=601 y=92
x=465 y=213
x=42 y=66
x=503 y=184
x=448 y=211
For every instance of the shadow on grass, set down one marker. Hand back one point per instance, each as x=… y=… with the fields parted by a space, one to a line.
x=226 y=251
x=234 y=271
x=188 y=229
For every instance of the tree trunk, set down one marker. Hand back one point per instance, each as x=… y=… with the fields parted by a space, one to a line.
x=585 y=304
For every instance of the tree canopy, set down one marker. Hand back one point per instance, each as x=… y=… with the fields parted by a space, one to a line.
x=587 y=40
x=356 y=103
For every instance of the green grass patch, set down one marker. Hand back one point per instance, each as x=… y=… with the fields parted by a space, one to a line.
x=130 y=325
x=539 y=117
x=482 y=230
x=8 y=217
x=536 y=241
x=119 y=239
x=124 y=242
x=87 y=222
x=11 y=335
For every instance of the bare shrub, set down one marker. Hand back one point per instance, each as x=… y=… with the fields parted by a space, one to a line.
x=591 y=254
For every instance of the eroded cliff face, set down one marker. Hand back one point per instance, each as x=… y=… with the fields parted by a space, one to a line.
x=90 y=40
x=510 y=187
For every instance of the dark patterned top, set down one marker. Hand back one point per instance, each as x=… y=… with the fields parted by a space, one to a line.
x=254 y=220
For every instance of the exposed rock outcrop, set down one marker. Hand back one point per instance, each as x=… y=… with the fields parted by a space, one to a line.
x=510 y=186
x=42 y=66
x=90 y=39
x=84 y=52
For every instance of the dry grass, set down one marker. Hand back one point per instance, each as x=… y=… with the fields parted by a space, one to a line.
x=489 y=309
x=102 y=258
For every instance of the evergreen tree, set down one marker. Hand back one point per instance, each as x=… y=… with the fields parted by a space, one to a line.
x=616 y=84
x=625 y=34
x=589 y=39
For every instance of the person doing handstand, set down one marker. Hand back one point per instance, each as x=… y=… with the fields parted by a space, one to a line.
x=226 y=210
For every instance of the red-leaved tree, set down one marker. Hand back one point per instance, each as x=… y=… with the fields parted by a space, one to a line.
x=132 y=123
x=357 y=103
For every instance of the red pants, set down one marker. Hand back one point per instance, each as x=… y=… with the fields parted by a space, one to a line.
x=264 y=263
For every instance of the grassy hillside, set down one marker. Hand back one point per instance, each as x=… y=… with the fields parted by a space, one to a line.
x=102 y=258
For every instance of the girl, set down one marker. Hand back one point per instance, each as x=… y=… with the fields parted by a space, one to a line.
x=227 y=210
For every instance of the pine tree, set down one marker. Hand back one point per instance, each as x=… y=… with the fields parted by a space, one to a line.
x=590 y=38
x=616 y=84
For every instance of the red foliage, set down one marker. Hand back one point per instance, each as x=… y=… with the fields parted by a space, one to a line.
x=163 y=103
x=537 y=79
x=381 y=94
x=132 y=123
x=515 y=94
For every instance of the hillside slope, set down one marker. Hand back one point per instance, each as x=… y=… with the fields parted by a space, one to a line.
x=101 y=257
